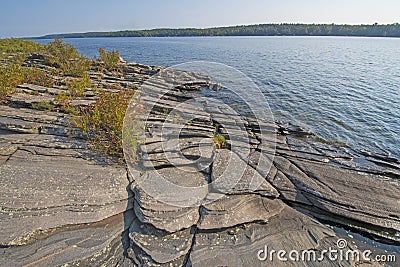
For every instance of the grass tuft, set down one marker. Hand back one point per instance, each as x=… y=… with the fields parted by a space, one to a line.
x=38 y=77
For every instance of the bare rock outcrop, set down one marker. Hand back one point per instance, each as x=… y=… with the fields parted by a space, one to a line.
x=193 y=198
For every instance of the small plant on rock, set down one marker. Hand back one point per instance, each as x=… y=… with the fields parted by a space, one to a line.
x=110 y=59
x=63 y=99
x=103 y=121
x=43 y=105
x=38 y=77
x=219 y=139
x=10 y=76
x=77 y=87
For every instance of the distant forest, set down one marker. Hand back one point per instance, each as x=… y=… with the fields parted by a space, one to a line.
x=374 y=30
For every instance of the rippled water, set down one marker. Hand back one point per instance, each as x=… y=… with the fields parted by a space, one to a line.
x=342 y=89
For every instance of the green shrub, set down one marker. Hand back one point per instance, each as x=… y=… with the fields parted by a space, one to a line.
x=77 y=87
x=38 y=77
x=63 y=99
x=220 y=141
x=110 y=59
x=17 y=50
x=67 y=58
x=103 y=121
x=10 y=76
x=15 y=45
x=62 y=51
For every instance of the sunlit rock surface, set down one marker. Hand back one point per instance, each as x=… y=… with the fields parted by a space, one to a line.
x=62 y=203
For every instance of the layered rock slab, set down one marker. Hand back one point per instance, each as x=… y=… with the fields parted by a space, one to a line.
x=224 y=211
x=232 y=175
x=69 y=245
x=150 y=246
x=240 y=246
x=370 y=200
x=49 y=191
x=172 y=198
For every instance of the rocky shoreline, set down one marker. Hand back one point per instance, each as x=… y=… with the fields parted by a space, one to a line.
x=62 y=204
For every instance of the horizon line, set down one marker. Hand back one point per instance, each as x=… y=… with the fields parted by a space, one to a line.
x=205 y=28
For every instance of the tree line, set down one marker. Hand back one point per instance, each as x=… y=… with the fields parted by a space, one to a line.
x=285 y=29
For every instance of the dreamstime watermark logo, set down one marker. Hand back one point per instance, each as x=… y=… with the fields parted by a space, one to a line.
x=342 y=252
x=170 y=124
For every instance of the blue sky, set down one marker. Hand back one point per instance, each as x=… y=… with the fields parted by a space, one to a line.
x=38 y=17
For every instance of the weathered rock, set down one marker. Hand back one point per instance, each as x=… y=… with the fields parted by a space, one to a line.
x=154 y=247
x=25 y=120
x=68 y=244
x=345 y=193
x=33 y=88
x=44 y=192
x=231 y=210
x=230 y=174
x=187 y=202
x=163 y=249
x=176 y=206
x=82 y=102
x=239 y=246
x=27 y=101
x=192 y=151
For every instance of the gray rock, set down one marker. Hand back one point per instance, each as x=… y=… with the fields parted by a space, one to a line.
x=231 y=210
x=239 y=246
x=163 y=249
x=351 y=194
x=154 y=247
x=179 y=194
x=230 y=174
x=44 y=192
x=65 y=246
x=27 y=101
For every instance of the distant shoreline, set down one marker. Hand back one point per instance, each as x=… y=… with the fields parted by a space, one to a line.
x=221 y=36
x=372 y=30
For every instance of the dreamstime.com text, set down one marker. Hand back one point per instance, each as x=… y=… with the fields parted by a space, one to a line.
x=340 y=253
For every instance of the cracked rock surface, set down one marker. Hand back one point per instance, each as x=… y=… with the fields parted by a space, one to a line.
x=61 y=203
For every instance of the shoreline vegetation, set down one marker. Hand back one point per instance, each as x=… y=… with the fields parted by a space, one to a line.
x=59 y=65
x=284 y=29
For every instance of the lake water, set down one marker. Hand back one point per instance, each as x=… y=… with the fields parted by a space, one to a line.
x=342 y=89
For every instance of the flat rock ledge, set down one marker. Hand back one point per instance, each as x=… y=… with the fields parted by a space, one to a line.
x=64 y=205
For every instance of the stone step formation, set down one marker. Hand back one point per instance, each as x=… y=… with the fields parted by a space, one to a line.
x=64 y=204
